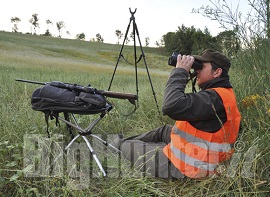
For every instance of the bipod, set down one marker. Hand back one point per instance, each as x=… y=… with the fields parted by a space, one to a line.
x=135 y=32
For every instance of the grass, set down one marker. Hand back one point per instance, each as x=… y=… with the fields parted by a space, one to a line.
x=49 y=59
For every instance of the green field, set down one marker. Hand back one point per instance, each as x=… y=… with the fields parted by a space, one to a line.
x=48 y=59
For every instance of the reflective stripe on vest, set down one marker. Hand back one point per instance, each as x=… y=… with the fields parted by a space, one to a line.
x=212 y=146
x=197 y=153
x=192 y=161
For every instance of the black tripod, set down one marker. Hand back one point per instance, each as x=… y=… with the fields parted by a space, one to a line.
x=135 y=32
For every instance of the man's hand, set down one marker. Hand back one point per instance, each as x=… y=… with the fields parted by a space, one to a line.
x=185 y=62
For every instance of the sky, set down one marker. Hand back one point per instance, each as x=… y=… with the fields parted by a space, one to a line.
x=154 y=18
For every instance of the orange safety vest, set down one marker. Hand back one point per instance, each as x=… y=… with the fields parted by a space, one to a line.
x=197 y=153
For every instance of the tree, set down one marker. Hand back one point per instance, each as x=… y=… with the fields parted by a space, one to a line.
x=229 y=42
x=47 y=33
x=48 y=22
x=15 y=20
x=185 y=39
x=188 y=40
x=203 y=40
x=60 y=25
x=34 y=21
x=268 y=18
x=127 y=40
x=147 y=39
x=170 y=45
x=181 y=41
x=160 y=43
x=132 y=36
x=99 y=38
x=80 y=36
x=157 y=44
x=254 y=26
x=119 y=35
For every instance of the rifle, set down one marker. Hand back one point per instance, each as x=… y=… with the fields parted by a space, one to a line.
x=131 y=97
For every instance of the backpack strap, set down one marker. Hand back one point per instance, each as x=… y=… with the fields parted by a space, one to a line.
x=69 y=128
x=47 y=114
x=51 y=115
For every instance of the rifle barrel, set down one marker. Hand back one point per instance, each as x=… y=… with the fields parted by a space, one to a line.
x=28 y=81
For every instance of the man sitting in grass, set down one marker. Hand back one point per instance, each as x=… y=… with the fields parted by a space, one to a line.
x=206 y=127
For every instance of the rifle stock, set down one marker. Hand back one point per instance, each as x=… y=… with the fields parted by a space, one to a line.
x=119 y=95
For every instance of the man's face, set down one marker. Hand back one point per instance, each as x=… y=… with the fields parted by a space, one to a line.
x=205 y=74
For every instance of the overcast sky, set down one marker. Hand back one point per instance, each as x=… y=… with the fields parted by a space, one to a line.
x=154 y=18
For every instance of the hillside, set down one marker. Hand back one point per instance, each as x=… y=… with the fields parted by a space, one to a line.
x=52 y=50
x=48 y=59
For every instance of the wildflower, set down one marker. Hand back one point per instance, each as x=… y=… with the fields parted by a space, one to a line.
x=250 y=100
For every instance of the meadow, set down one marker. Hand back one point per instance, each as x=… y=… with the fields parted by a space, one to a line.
x=49 y=59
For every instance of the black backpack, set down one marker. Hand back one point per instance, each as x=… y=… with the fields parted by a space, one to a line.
x=53 y=99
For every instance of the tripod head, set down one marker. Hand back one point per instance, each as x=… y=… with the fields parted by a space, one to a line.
x=132 y=14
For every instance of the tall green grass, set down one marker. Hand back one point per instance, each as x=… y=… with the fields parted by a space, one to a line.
x=49 y=59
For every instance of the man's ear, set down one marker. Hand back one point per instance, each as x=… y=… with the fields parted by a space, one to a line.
x=218 y=72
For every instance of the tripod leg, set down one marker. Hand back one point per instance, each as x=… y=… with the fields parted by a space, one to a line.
x=120 y=54
x=135 y=57
x=135 y=31
x=146 y=67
